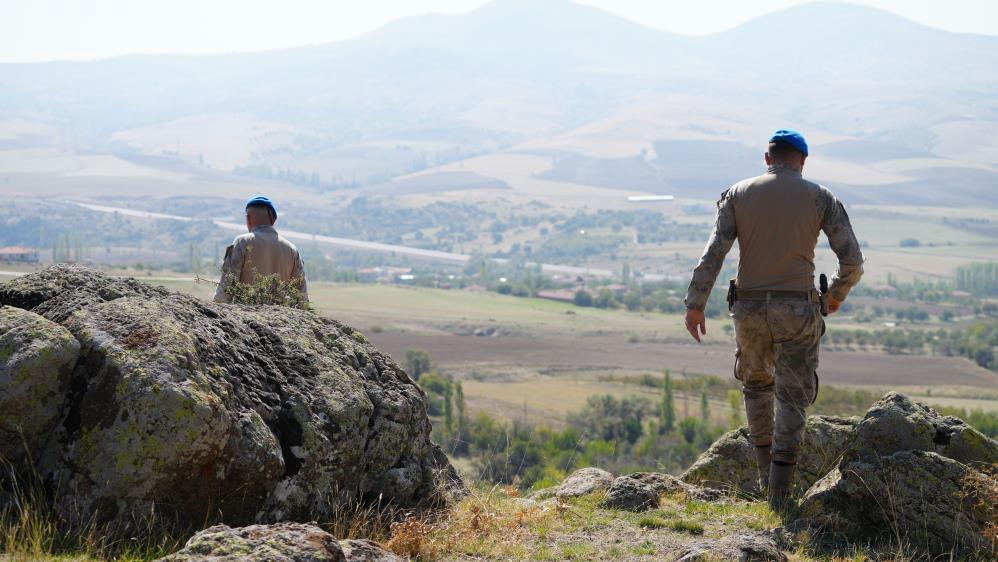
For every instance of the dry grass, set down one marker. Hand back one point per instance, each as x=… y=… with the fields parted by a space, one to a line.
x=981 y=497
x=30 y=529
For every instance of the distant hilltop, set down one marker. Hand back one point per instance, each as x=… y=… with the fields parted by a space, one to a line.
x=896 y=110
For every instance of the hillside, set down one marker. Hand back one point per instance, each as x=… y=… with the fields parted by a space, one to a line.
x=905 y=108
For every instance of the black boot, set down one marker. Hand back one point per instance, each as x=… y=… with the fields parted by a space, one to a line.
x=764 y=457
x=781 y=479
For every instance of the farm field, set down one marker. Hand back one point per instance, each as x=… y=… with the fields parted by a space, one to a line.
x=548 y=357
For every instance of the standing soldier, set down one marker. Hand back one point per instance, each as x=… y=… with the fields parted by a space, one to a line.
x=261 y=252
x=777 y=313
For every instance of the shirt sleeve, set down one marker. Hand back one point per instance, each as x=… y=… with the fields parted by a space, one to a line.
x=718 y=246
x=836 y=226
x=232 y=267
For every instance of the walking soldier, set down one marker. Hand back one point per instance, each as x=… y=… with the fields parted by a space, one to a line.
x=777 y=312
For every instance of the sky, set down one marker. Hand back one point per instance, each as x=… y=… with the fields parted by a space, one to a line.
x=43 y=30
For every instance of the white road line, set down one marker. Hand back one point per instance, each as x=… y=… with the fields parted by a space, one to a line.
x=351 y=244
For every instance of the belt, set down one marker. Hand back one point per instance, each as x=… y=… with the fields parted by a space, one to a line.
x=762 y=295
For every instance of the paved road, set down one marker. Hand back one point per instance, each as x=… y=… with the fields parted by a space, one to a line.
x=351 y=244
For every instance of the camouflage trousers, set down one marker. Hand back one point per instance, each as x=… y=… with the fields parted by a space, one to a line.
x=777 y=357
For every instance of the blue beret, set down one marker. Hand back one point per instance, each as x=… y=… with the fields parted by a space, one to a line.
x=262 y=201
x=792 y=138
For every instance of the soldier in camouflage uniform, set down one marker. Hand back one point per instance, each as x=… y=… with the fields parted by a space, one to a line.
x=776 y=219
x=261 y=252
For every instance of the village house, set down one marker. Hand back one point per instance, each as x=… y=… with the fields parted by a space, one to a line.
x=18 y=254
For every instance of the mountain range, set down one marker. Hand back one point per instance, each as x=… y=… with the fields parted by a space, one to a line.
x=897 y=111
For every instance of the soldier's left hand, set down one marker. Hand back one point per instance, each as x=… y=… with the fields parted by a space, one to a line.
x=833 y=304
x=696 y=323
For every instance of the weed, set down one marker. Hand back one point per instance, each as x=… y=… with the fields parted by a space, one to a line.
x=686 y=526
x=646 y=548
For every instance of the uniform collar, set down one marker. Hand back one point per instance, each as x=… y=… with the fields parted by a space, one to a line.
x=782 y=169
x=265 y=228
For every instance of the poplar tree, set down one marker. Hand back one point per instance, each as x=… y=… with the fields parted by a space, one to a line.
x=704 y=406
x=449 y=408
x=667 y=410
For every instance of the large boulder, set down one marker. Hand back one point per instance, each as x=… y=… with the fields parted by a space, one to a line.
x=283 y=542
x=242 y=414
x=898 y=423
x=37 y=357
x=922 y=499
x=730 y=462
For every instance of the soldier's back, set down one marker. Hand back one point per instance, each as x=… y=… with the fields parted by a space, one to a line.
x=778 y=223
x=267 y=253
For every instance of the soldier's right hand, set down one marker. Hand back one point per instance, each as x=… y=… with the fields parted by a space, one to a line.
x=696 y=323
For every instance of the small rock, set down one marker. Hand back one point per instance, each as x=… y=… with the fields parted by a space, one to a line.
x=642 y=490
x=585 y=481
x=741 y=548
x=631 y=494
x=283 y=542
x=543 y=494
x=367 y=551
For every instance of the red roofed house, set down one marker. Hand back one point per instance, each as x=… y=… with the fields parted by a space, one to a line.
x=18 y=254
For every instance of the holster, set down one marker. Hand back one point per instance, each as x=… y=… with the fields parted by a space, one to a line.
x=823 y=292
x=732 y=294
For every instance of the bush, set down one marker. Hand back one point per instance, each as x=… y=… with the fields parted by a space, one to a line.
x=417 y=362
x=267 y=290
x=582 y=298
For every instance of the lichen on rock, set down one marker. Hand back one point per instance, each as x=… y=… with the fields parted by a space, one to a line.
x=239 y=414
x=918 y=498
x=730 y=462
x=37 y=357
x=282 y=542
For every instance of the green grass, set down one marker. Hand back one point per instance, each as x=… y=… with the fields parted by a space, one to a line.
x=686 y=526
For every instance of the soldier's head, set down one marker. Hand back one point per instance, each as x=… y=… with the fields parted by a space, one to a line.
x=787 y=148
x=260 y=211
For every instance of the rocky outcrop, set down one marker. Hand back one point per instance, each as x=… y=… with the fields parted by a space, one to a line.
x=897 y=423
x=37 y=357
x=925 y=500
x=748 y=547
x=730 y=462
x=909 y=475
x=585 y=481
x=643 y=490
x=902 y=472
x=244 y=414
x=283 y=542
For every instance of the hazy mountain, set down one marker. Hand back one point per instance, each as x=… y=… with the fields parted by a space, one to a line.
x=516 y=69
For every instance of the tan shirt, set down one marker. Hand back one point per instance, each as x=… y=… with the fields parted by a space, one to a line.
x=259 y=253
x=776 y=219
